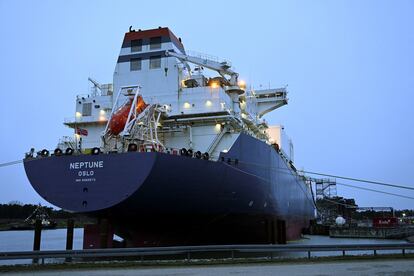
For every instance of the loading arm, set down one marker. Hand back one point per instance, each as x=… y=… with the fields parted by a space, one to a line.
x=223 y=68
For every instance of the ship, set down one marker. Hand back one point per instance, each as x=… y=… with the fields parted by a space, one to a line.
x=175 y=151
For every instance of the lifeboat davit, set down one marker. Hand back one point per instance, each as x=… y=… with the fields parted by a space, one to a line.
x=119 y=118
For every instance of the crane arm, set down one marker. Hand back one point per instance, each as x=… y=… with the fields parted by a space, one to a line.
x=221 y=67
x=95 y=83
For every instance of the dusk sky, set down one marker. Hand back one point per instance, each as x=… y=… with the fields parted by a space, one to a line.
x=349 y=67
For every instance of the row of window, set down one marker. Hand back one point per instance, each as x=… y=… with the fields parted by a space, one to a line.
x=155 y=43
x=136 y=63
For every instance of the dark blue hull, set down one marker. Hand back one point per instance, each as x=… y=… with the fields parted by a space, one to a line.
x=153 y=198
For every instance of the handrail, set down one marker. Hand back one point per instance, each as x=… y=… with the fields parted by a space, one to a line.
x=154 y=251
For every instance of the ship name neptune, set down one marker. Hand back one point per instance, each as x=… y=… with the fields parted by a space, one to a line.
x=86 y=165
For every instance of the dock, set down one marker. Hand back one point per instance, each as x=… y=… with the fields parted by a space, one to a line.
x=398 y=232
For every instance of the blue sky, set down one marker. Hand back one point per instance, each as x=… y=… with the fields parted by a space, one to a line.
x=348 y=65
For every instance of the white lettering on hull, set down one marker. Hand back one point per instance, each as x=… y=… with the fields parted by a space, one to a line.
x=85 y=170
x=85 y=173
x=86 y=165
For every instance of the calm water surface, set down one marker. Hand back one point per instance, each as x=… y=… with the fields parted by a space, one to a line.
x=51 y=240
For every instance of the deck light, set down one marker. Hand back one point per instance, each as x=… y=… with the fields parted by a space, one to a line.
x=214 y=84
x=217 y=127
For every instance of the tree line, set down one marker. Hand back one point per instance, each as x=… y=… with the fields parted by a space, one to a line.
x=16 y=210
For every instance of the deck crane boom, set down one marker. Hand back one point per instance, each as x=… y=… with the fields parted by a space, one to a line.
x=223 y=68
x=96 y=86
x=95 y=83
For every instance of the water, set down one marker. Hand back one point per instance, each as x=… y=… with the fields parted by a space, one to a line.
x=51 y=240
x=56 y=240
x=23 y=241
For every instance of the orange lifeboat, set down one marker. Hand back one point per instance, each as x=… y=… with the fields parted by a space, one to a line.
x=141 y=105
x=119 y=118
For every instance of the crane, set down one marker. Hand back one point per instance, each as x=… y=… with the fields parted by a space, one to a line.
x=223 y=68
x=96 y=85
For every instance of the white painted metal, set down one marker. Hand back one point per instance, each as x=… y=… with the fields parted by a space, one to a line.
x=201 y=117
x=277 y=135
x=223 y=68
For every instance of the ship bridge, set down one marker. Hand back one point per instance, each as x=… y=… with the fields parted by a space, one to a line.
x=269 y=99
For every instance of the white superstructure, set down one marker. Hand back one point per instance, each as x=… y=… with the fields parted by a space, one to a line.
x=185 y=108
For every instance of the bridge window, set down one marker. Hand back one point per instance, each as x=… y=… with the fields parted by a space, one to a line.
x=155 y=62
x=136 y=45
x=135 y=64
x=155 y=43
x=87 y=109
